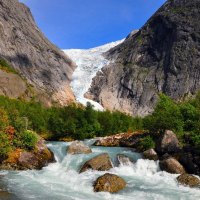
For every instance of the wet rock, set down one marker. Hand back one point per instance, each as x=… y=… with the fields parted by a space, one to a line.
x=4 y=195
x=110 y=141
x=188 y=180
x=101 y=162
x=124 y=160
x=150 y=155
x=122 y=139
x=134 y=141
x=171 y=165
x=168 y=143
x=191 y=162
x=23 y=160
x=78 y=147
x=109 y=183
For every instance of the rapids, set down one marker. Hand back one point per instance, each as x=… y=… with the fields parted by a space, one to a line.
x=61 y=180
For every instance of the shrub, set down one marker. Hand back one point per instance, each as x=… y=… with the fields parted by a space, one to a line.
x=26 y=140
x=5 y=146
x=146 y=143
x=4 y=122
x=167 y=115
x=195 y=139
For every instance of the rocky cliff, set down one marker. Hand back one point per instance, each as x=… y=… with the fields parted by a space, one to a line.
x=162 y=57
x=39 y=69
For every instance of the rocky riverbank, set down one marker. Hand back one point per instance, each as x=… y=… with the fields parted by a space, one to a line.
x=20 y=159
x=173 y=157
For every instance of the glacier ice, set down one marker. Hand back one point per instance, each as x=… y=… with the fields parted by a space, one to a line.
x=89 y=62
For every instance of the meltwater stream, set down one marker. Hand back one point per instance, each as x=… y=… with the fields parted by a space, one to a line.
x=61 y=180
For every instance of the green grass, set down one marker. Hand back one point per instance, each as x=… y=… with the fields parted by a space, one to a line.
x=4 y=66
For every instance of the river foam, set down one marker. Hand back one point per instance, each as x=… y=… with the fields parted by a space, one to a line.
x=61 y=180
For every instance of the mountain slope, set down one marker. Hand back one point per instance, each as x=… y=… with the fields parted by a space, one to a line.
x=37 y=62
x=89 y=62
x=163 y=57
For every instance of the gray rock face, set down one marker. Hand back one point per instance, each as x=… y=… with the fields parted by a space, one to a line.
x=12 y=85
x=41 y=63
x=162 y=57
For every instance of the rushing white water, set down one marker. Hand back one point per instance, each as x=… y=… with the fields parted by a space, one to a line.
x=89 y=62
x=61 y=180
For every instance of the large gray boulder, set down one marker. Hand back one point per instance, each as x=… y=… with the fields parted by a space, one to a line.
x=109 y=183
x=101 y=162
x=171 y=165
x=150 y=155
x=188 y=180
x=78 y=147
x=167 y=143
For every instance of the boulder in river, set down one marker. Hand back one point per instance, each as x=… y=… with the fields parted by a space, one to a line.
x=188 y=180
x=110 y=141
x=171 y=165
x=4 y=195
x=190 y=159
x=23 y=160
x=101 y=162
x=78 y=147
x=168 y=143
x=121 y=139
x=124 y=160
x=109 y=183
x=150 y=155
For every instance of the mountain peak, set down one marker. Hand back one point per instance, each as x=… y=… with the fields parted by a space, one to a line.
x=162 y=57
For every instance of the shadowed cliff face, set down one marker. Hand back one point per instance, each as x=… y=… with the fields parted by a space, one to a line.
x=41 y=63
x=163 y=57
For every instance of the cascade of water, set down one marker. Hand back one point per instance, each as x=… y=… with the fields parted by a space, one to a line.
x=61 y=180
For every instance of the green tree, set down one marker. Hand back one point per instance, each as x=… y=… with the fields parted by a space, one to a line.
x=5 y=146
x=167 y=115
x=4 y=121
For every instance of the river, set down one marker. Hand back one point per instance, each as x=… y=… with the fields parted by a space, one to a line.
x=61 y=180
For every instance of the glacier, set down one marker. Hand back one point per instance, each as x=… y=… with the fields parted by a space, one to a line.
x=89 y=62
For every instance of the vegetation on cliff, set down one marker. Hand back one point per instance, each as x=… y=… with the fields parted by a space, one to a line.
x=6 y=67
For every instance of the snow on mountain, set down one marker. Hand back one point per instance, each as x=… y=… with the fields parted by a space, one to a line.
x=89 y=62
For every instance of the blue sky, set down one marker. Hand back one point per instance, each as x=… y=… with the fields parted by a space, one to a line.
x=90 y=23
